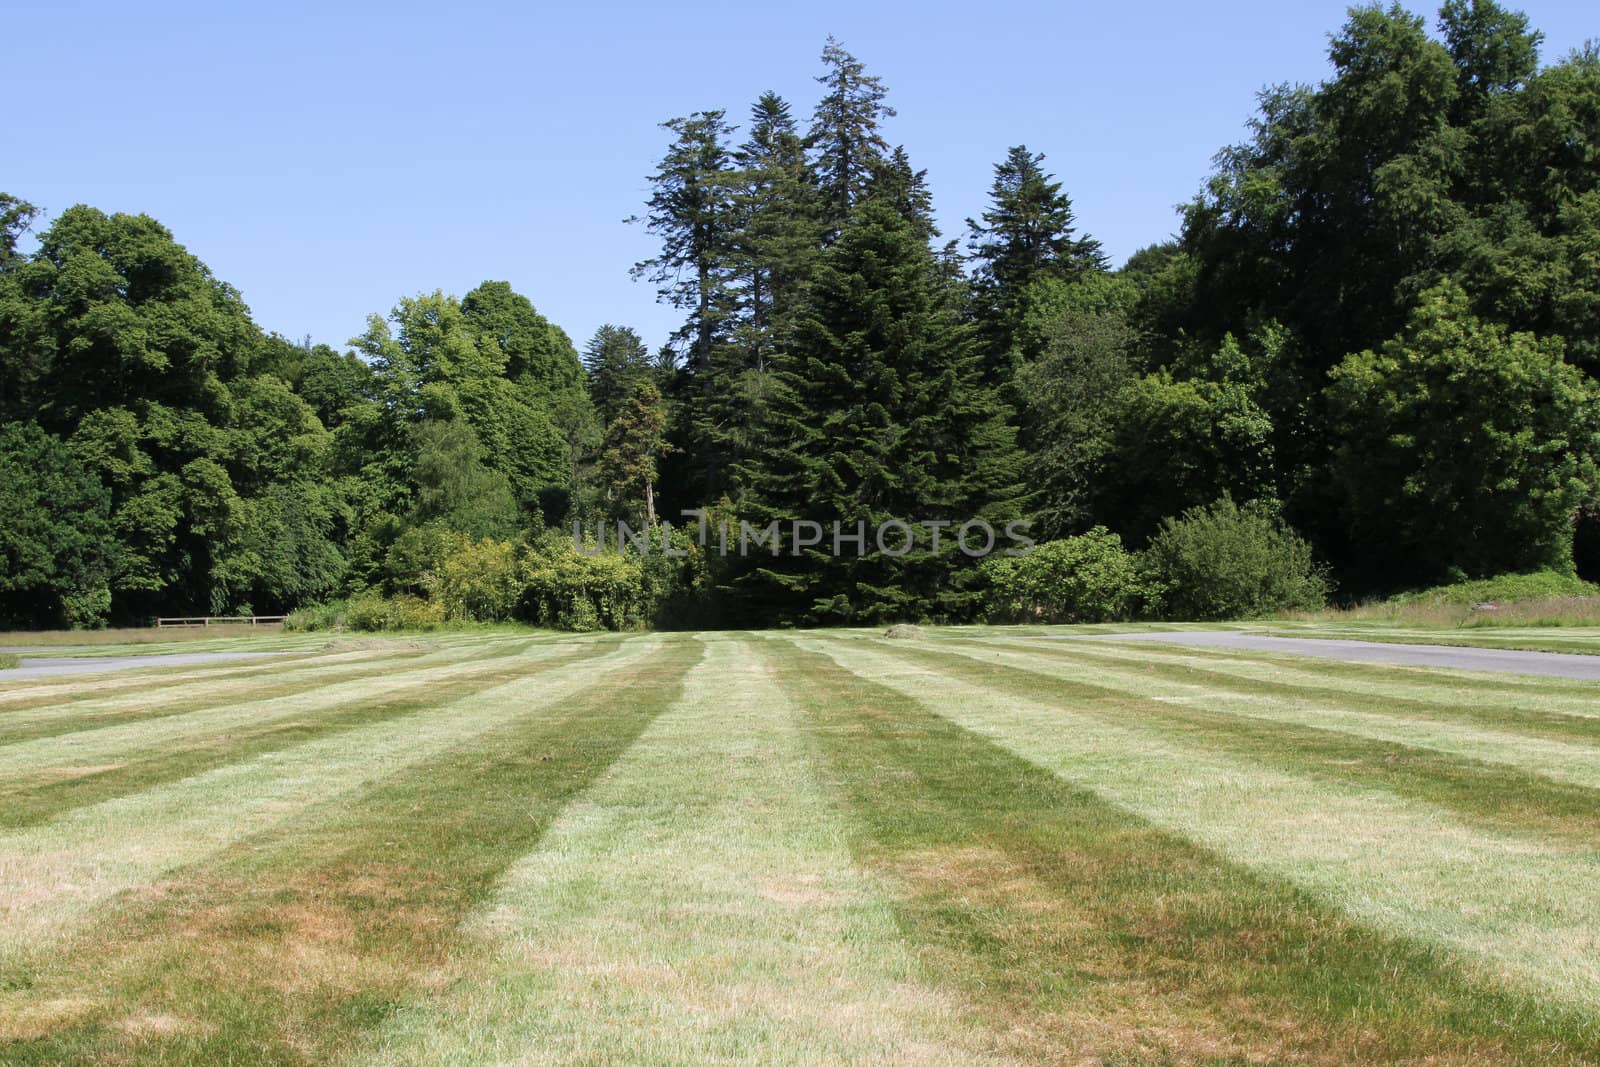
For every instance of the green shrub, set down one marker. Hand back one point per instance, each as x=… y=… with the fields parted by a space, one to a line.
x=1231 y=562
x=1508 y=588
x=414 y=613
x=569 y=590
x=316 y=617
x=87 y=610
x=9 y=661
x=1089 y=578
x=367 y=611
x=680 y=592
x=416 y=556
x=371 y=612
x=476 y=581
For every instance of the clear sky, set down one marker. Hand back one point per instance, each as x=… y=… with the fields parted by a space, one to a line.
x=328 y=158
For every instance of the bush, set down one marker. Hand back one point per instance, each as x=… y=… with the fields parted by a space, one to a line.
x=414 y=613
x=476 y=581
x=1228 y=562
x=1508 y=588
x=367 y=611
x=1089 y=578
x=371 y=612
x=416 y=555
x=315 y=617
x=569 y=590
x=87 y=610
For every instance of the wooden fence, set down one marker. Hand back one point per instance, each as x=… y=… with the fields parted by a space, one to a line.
x=222 y=620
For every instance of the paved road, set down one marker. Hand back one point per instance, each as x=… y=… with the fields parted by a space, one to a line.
x=39 y=648
x=47 y=668
x=1509 y=661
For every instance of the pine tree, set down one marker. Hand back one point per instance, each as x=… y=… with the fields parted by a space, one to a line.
x=780 y=231
x=845 y=139
x=691 y=209
x=895 y=180
x=1026 y=236
x=635 y=442
x=1030 y=231
x=615 y=360
x=881 y=415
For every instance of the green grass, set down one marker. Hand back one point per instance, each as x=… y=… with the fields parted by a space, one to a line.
x=1507 y=588
x=814 y=847
x=1542 y=600
x=9 y=661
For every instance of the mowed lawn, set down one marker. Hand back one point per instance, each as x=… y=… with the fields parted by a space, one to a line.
x=802 y=847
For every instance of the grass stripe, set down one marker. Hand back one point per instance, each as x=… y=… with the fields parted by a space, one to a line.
x=146 y=702
x=1530 y=712
x=73 y=688
x=1574 y=696
x=1503 y=779
x=1523 y=905
x=79 y=689
x=285 y=949
x=53 y=876
x=703 y=884
x=115 y=741
x=1087 y=934
x=46 y=793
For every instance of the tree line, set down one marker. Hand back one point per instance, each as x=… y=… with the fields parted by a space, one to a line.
x=1377 y=332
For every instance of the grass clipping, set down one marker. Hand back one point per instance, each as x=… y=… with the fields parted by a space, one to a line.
x=373 y=644
x=906 y=632
x=9 y=660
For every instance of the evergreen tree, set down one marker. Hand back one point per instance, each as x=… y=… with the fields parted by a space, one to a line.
x=635 y=442
x=845 y=138
x=1028 y=235
x=1029 y=231
x=779 y=210
x=691 y=210
x=896 y=181
x=615 y=360
x=881 y=415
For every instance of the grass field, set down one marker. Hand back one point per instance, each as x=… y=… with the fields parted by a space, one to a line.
x=809 y=847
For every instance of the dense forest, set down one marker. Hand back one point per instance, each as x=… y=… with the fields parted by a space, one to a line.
x=1367 y=361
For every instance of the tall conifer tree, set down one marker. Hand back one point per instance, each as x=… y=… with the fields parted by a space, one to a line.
x=881 y=415
x=693 y=210
x=1028 y=234
x=781 y=228
x=614 y=360
x=845 y=137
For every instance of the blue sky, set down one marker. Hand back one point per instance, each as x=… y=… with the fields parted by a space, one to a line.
x=326 y=159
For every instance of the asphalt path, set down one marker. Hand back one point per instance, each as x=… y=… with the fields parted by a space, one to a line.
x=49 y=668
x=1504 y=660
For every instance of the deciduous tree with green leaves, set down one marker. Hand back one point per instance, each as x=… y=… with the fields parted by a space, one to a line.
x=1465 y=451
